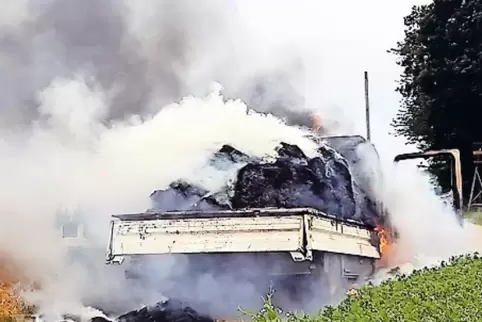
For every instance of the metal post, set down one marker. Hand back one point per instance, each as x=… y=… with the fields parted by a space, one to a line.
x=367 y=107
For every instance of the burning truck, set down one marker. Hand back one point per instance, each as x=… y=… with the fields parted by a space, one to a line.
x=311 y=226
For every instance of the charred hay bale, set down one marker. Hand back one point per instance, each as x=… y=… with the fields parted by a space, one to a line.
x=294 y=180
x=230 y=154
x=324 y=182
x=290 y=152
x=364 y=165
x=167 y=311
x=99 y=319
x=179 y=196
x=183 y=196
x=272 y=185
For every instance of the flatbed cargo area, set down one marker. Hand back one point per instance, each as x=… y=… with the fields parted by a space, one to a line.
x=298 y=231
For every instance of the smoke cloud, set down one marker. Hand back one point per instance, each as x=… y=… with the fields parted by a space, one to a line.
x=104 y=102
x=146 y=55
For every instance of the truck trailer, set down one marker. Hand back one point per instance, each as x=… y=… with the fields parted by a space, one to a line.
x=300 y=250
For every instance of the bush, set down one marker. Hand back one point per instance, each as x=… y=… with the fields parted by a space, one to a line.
x=450 y=292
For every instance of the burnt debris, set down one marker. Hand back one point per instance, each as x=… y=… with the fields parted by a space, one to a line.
x=295 y=180
x=183 y=196
x=167 y=311
x=329 y=182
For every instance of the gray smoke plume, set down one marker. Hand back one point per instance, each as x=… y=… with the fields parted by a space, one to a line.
x=144 y=54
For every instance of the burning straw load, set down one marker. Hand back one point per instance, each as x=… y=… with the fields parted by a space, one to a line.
x=329 y=182
x=325 y=182
x=10 y=302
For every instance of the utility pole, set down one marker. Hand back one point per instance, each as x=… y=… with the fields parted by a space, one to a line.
x=367 y=106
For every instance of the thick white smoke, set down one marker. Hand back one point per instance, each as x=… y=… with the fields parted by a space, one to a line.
x=73 y=160
x=89 y=121
x=429 y=229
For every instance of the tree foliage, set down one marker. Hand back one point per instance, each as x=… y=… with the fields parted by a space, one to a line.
x=441 y=80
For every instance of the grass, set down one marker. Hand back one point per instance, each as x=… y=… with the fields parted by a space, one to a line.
x=474 y=216
x=451 y=292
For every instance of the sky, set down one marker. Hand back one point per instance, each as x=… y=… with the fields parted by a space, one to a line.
x=354 y=37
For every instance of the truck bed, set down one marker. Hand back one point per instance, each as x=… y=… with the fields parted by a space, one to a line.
x=299 y=231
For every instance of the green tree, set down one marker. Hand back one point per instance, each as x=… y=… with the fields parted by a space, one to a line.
x=441 y=82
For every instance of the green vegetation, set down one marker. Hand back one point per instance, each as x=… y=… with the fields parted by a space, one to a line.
x=451 y=292
x=474 y=217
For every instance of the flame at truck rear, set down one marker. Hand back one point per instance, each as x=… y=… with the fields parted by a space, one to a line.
x=385 y=242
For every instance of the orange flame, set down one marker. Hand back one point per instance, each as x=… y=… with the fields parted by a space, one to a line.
x=385 y=243
x=316 y=119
